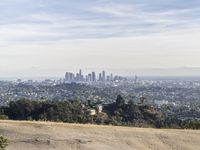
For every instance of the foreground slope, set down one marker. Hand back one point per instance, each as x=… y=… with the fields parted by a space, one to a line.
x=59 y=136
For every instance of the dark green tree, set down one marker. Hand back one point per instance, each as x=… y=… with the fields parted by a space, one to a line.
x=120 y=101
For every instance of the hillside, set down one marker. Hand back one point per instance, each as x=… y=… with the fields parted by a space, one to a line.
x=60 y=136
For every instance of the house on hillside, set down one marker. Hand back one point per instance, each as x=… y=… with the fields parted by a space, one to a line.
x=91 y=112
x=99 y=108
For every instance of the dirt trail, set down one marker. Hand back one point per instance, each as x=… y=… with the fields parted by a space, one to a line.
x=60 y=136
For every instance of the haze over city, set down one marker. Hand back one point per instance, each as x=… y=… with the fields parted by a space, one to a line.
x=99 y=74
x=122 y=36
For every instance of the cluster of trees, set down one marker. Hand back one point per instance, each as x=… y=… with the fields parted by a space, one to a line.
x=66 y=111
x=130 y=114
x=117 y=113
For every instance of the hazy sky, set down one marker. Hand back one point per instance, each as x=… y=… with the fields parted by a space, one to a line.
x=49 y=37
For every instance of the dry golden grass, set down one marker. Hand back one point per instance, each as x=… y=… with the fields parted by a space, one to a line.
x=25 y=135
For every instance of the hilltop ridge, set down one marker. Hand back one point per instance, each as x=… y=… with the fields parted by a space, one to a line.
x=25 y=135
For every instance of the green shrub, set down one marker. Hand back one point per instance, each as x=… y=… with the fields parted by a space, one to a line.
x=3 y=143
x=3 y=117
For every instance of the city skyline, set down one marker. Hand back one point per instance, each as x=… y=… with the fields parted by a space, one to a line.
x=91 y=77
x=34 y=73
x=139 y=36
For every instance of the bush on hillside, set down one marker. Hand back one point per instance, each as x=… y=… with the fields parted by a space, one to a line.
x=3 y=143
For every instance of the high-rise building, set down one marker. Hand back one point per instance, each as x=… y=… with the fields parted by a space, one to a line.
x=103 y=75
x=80 y=75
x=69 y=76
x=136 y=78
x=93 y=77
x=80 y=72
x=111 y=77
x=89 y=77
x=77 y=77
x=66 y=76
x=100 y=77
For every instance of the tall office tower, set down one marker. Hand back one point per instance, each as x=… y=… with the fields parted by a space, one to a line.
x=93 y=77
x=80 y=75
x=111 y=77
x=103 y=75
x=67 y=76
x=136 y=79
x=77 y=77
x=80 y=72
x=107 y=78
x=89 y=77
x=71 y=77
x=100 y=77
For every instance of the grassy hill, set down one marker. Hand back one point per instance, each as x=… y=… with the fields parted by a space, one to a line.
x=59 y=136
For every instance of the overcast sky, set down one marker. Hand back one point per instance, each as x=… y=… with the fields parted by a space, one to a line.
x=49 y=37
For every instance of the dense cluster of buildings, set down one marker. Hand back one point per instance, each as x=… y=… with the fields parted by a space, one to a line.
x=163 y=94
x=91 y=77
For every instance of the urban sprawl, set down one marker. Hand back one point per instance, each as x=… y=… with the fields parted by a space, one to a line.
x=174 y=97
